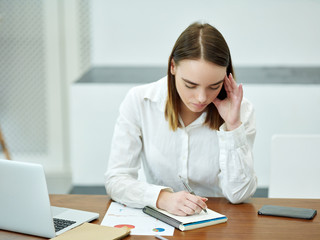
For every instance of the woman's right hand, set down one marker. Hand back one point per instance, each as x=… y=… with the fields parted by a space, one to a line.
x=181 y=203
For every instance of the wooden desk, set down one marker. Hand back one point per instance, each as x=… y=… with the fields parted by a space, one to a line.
x=243 y=220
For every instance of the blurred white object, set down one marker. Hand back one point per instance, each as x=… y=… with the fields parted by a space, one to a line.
x=295 y=166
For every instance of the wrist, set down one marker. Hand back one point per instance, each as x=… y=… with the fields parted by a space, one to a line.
x=231 y=127
x=163 y=195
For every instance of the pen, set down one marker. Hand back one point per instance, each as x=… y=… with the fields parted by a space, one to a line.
x=159 y=237
x=190 y=190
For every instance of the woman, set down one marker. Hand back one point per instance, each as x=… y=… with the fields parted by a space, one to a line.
x=193 y=123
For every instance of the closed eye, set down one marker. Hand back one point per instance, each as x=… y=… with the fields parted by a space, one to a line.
x=190 y=86
x=214 y=88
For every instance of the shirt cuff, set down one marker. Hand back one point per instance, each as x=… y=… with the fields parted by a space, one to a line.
x=232 y=139
x=152 y=193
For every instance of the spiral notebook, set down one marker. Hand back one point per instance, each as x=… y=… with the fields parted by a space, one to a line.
x=185 y=223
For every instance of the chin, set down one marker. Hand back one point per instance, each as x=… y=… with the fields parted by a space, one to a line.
x=197 y=110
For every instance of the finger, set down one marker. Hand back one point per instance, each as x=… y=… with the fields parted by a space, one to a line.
x=191 y=204
x=241 y=90
x=195 y=210
x=187 y=210
x=196 y=203
x=238 y=91
x=233 y=83
x=227 y=84
x=227 y=87
x=231 y=77
x=202 y=204
x=180 y=213
x=204 y=199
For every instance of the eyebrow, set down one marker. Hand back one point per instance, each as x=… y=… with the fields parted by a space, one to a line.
x=196 y=84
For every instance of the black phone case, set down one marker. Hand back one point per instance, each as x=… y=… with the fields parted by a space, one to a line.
x=222 y=94
x=292 y=212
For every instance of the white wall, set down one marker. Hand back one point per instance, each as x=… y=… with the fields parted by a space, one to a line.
x=280 y=109
x=142 y=32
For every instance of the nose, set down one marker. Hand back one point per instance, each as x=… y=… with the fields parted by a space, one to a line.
x=202 y=96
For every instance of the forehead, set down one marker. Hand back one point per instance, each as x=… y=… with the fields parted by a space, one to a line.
x=200 y=71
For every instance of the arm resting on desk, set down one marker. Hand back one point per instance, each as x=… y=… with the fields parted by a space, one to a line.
x=237 y=177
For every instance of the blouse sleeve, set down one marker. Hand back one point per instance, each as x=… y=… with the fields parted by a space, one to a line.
x=121 y=178
x=237 y=177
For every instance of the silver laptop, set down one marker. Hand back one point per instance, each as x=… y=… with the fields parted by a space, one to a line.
x=25 y=205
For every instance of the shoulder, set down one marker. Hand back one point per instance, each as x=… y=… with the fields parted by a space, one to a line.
x=150 y=91
x=155 y=92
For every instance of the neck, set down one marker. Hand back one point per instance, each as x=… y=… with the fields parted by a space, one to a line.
x=188 y=116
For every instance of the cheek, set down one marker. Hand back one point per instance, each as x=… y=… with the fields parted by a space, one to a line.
x=185 y=95
x=213 y=95
x=178 y=88
x=182 y=91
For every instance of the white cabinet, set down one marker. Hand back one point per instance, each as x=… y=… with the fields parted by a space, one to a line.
x=94 y=109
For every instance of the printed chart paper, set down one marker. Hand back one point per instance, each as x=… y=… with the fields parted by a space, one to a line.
x=139 y=223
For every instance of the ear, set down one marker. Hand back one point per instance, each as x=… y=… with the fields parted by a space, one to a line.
x=173 y=67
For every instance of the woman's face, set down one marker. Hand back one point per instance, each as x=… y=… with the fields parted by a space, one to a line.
x=198 y=83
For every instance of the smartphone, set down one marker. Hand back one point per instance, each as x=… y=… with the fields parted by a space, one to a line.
x=222 y=94
x=292 y=212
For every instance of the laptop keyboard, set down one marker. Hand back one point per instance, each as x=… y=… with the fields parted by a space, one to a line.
x=60 y=224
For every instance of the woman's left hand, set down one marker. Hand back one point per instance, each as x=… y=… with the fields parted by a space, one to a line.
x=229 y=108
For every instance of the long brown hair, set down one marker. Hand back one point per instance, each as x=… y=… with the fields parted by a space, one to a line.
x=198 y=41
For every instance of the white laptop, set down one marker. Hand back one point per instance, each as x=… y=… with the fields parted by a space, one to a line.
x=25 y=205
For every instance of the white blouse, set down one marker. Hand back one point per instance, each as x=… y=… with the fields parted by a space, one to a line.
x=215 y=163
